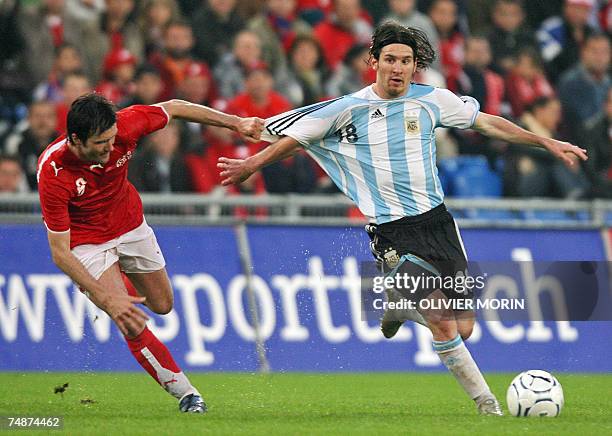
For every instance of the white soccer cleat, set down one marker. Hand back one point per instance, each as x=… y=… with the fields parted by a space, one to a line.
x=490 y=406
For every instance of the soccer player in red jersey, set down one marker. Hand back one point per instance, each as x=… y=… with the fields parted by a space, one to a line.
x=96 y=228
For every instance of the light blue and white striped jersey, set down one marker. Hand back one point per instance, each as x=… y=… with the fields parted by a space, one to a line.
x=380 y=153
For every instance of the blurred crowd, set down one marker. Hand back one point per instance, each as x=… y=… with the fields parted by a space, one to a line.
x=542 y=64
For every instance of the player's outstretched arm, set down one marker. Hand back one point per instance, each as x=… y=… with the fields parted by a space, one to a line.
x=500 y=128
x=248 y=128
x=236 y=171
x=121 y=307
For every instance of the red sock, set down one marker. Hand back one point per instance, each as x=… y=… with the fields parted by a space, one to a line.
x=156 y=359
x=132 y=292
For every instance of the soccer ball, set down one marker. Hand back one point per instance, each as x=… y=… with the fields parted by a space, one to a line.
x=535 y=393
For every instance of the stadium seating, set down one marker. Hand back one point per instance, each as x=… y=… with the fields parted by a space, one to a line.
x=469 y=177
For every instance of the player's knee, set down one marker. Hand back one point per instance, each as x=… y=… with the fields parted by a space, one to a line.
x=163 y=306
x=443 y=330
x=465 y=326
x=466 y=331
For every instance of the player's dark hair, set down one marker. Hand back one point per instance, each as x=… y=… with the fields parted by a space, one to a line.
x=89 y=115
x=391 y=32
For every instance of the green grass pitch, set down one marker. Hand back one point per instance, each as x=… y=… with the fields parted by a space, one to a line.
x=292 y=404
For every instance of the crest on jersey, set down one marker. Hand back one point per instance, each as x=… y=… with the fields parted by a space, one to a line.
x=80 y=185
x=411 y=124
x=391 y=258
x=123 y=159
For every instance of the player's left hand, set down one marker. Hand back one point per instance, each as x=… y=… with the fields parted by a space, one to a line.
x=565 y=152
x=234 y=171
x=250 y=129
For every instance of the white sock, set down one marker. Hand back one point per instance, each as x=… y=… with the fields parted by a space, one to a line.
x=175 y=383
x=459 y=361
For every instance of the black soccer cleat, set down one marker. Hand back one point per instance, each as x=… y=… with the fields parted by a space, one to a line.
x=391 y=321
x=192 y=403
x=390 y=328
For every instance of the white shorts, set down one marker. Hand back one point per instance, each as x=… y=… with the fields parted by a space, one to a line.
x=136 y=251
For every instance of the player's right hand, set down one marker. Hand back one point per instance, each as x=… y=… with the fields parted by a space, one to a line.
x=123 y=311
x=567 y=153
x=234 y=171
x=250 y=129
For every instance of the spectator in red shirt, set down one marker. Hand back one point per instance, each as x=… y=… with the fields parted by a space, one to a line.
x=202 y=166
x=262 y=101
x=341 y=30
x=259 y=99
x=296 y=174
x=119 y=71
x=526 y=81
x=443 y=14
x=202 y=163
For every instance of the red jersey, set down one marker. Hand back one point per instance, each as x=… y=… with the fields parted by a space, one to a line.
x=335 y=40
x=243 y=105
x=95 y=202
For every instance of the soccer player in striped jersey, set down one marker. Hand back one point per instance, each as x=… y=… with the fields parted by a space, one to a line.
x=378 y=146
